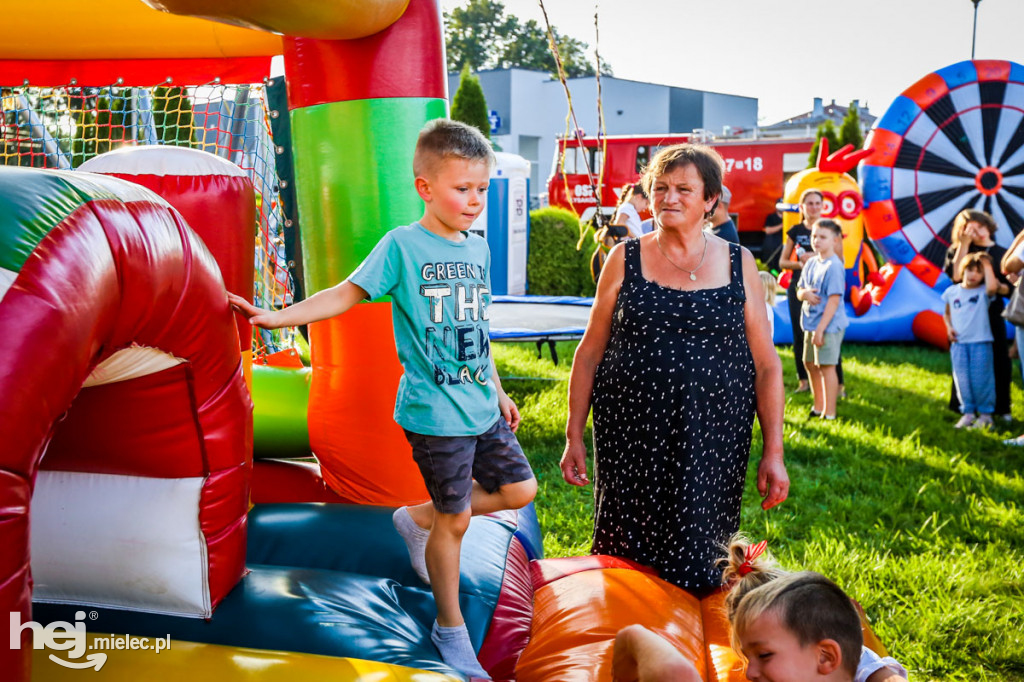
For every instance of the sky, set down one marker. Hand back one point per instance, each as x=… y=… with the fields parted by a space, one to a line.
x=786 y=52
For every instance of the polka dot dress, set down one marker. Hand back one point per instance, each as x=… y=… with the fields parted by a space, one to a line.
x=673 y=413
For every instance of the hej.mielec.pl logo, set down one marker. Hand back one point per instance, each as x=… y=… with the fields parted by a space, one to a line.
x=71 y=637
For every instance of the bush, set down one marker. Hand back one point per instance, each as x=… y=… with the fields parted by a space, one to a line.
x=555 y=267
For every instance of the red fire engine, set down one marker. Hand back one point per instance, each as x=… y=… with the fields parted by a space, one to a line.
x=755 y=171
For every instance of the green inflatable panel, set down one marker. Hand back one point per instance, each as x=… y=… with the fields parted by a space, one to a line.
x=354 y=179
x=280 y=399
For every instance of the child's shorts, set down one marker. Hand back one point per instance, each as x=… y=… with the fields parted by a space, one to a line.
x=494 y=458
x=828 y=354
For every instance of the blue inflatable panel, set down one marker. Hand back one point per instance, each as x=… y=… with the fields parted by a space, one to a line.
x=1016 y=73
x=335 y=580
x=303 y=610
x=899 y=115
x=889 y=322
x=896 y=248
x=529 y=534
x=958 y=74
x=361 y=539
x=877 y=183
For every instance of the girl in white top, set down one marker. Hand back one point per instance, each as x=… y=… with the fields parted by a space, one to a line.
x=769 y=284
x=634 y=201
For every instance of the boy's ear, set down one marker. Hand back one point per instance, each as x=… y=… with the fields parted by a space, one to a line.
x=423 y=187
x=830 y=656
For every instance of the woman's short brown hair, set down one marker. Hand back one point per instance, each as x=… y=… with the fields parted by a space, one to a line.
x=706 y=160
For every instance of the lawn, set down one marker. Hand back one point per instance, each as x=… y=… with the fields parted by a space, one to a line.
x=921 y=523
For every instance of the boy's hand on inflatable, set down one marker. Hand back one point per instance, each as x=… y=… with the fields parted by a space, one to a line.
x=772 y=481
x=258 y=317
x=574 y=463
x=509 y=411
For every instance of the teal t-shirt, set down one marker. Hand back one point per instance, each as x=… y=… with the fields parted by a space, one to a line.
x=440 y=291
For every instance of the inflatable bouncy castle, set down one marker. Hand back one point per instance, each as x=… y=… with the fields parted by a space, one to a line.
x=134 y=509
x=951 y=141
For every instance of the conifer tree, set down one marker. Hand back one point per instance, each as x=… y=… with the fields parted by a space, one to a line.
x=850 y=133
x=826 y=129
x=469 y=105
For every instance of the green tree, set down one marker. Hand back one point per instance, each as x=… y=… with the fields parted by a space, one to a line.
x=172 y=116
x=469 y=105
x=474 y=33
x=826 y=129
x=850 y=133
x=102 y=118
x=481 y=35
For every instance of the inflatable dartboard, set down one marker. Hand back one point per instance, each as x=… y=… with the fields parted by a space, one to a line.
x=953 y=140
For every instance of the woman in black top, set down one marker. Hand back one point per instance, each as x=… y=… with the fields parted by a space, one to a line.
x=795 y=253
x=973 y=232
x=676 y=359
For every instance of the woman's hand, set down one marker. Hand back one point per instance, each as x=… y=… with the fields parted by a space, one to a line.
x=574 y=463
x=258 y=317
x=772 y=480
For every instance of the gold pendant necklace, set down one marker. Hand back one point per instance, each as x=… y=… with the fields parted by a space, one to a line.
x=691 y=273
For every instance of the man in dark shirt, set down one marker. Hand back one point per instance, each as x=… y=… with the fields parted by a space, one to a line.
x=721 y=224
x=771 y=247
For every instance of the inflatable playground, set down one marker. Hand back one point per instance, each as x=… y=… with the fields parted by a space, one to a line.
x=144 y=499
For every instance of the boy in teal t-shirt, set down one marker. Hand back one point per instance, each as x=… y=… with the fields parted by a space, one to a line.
x=450 y=403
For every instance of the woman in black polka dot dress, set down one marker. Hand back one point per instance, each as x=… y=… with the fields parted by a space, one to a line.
x=676 y=359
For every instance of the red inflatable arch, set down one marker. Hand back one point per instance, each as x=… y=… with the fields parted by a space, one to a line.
x=126 y=420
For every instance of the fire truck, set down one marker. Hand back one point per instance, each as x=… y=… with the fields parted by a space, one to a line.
x=755 y=171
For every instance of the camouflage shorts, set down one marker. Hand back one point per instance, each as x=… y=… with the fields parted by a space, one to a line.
x=450 y=463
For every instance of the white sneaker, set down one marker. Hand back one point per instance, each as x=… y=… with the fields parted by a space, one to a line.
x=1019 y=441
x=965 y=421
x=983 y=423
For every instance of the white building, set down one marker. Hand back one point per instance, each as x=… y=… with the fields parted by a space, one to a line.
x=528 y=110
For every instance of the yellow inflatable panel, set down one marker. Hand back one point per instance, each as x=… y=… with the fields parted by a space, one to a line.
x=194 y=662
x=323 y=19
x=121 y=29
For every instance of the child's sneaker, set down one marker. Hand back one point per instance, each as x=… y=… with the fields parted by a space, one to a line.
x=965 y=421
x=983 y=423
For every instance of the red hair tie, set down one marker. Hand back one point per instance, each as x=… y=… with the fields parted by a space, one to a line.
x=751 y=553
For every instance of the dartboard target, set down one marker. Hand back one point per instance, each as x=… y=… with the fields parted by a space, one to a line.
x=953 y=140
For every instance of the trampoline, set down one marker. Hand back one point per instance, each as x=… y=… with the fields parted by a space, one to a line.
x=541 y=319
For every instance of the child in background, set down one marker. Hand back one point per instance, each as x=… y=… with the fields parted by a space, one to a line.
x=823 y=315
x=826 y=614
x=769 y=284
x=970 y=336
x=450 y=403
x=634 y=201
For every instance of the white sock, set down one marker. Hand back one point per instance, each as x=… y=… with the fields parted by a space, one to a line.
x=456 y=650
x=415 y=541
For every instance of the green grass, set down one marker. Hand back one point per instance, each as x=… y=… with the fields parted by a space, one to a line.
x=921 y=523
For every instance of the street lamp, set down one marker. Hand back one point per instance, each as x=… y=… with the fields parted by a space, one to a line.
x=974 y=33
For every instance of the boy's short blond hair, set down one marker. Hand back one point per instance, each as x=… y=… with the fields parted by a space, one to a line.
x=443 y=139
